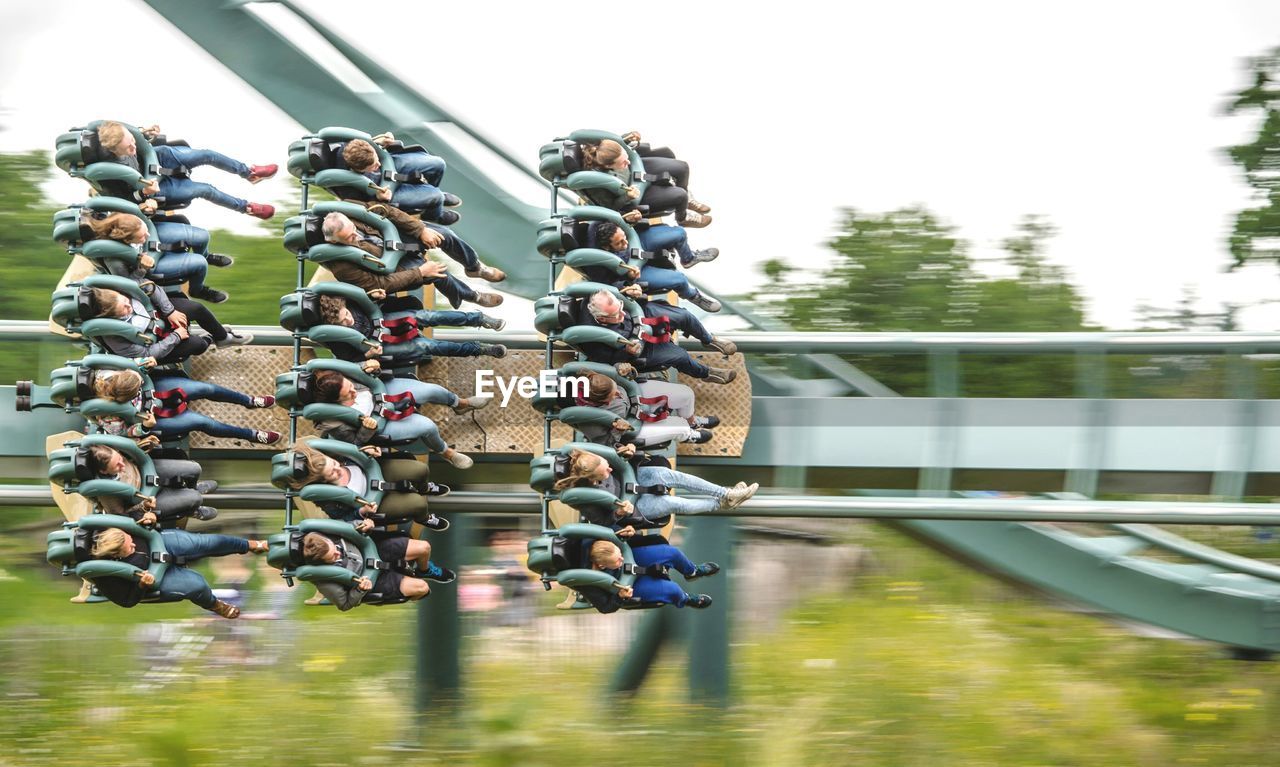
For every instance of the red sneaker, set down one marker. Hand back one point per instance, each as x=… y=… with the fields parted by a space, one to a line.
x=260 y=210
x=260 y=172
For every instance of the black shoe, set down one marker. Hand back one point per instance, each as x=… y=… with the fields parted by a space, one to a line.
x=493 y=323
x=435 y=522
x=705 y=421
x=437 y=490
x=217 y=259
x=205 y=513
x=212 y=295
x=448 y=218
x=452 y=200
x=700 y=602
x=434 y=572
x=699 y=437
x=703 y=570
x=206 y=486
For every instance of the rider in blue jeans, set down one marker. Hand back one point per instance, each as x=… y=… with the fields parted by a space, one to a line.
x=606 y=556
x=117 y=140
x=610 y=237
x=179 y=580
x=424 y=198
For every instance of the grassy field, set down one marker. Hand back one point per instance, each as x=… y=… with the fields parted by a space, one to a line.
x=922 y=663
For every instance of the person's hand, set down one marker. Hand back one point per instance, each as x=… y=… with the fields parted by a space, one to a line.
x=372 y=366
x=631 y=137
x=145 y=578
x=150 y=187
x=624 y=509
x=178 y=319
x=148 y=419
x=364 y=584
x=625 y=369
x=382 y=193
x=431 y=270
x=145 y=261
x=632 y=270
x=631 y=216
x=182 y=332
x=148 y=362
x=628 y=450
x=382 y=139
x=364 y=525
x=430 y=237
x=377 y=294
x=634 y=347
x=149 y=502
x=626 y=592
x=151 y=131
x=632 y=291
x=372 y=451
x=148 y=442
x=148 y=519
x=621 y=425
x=632 y=192
x=149 y=206
x=368 y=422
x=626 y=532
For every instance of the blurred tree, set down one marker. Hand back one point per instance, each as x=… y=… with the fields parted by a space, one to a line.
x=25 y=248
x=1256 y=234
x=907 y=271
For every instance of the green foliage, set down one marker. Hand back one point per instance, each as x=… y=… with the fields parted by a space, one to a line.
x=1256 y=233
x=907 y=271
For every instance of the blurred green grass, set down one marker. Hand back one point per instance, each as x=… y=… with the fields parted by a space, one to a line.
x=922 y=663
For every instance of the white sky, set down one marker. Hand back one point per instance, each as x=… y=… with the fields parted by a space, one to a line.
x=1104 y=116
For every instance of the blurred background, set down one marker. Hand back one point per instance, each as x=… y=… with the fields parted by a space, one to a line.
x=916 y=167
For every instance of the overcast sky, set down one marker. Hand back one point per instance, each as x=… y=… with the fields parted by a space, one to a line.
x=1105 y=117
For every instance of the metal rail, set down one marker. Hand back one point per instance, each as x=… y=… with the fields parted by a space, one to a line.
x=854 y=343
x=809 y=507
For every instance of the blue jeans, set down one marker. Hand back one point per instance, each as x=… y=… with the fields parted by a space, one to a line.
x=430 y=166
x=177 y=268
x=654 y=506
x=178 y=426
x=453 y=289
x=664 y=554
x=418 y=426
x=201 y=389
x=455 y=247
x=661 y=280
x=662 y=236
x=446 y=317
x=193 y=238
x=420 y=347
x=177 y=191
x=681 y=319
x=189 y=584
x=668 y=355
x=424 y=199
x=174 y=156
x=652 y=589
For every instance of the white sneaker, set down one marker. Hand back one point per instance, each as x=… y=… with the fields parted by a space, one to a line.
x=738 y=495
x=474 y=402
x=459 y=460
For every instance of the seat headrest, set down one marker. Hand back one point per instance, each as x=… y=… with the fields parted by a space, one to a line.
x=82 y=544
x=84 y=383
x=90 y=148
x=560 y=466
x=288 y=465
x=564 y=553
x=294 y=548
x=313 y=230
x=82 y=463
x=309 y=310
x=84 y=303
x=567 y=311
x=86 y=233
x=324 y=155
